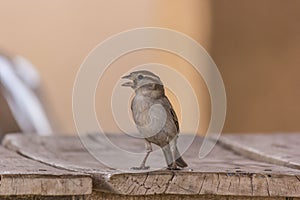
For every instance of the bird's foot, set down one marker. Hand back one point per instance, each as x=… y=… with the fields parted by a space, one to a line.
x=173 y=167
x=140 y=168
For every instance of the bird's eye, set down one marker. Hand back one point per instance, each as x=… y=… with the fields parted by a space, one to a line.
x=140 y=76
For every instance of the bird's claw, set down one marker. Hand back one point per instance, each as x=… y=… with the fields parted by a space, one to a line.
x=173 y=167
x=140 y=168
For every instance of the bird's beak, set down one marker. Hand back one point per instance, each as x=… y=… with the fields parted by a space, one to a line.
x=126 y=77
x=129 y=83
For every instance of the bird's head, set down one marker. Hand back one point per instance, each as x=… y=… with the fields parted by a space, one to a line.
x=143 y=78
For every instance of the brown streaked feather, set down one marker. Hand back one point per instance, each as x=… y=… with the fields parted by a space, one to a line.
x=175 y=118
x=173 y=113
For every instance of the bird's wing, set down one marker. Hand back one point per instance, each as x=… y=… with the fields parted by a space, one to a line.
x=169 y=108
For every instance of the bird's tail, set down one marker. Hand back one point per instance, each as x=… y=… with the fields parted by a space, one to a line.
x=179 y=160
x=169 y=157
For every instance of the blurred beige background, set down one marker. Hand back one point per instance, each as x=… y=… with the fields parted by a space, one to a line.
x=255 y=44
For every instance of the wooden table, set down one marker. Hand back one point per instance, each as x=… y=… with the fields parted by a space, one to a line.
x=241 y=166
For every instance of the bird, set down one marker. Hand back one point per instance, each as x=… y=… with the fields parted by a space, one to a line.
x=154 y=117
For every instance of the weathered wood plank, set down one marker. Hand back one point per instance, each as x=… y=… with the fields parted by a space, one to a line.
x=108 y=196
x=280 y=149
x=39 y=197
x=221 y=173
x=22 y=176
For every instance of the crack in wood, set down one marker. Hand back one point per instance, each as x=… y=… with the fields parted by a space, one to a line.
x=219 y=181
x=251 y=180
x=169 y=182
x=135 y=183
x=157 y=184
x=129 y=186
x=43 y=188
x=185 y=189
x=297 y=177
x=141 y=185
x=268 y=187
x=202 y=184
x=147 y=188
x=75 y=183
x=229 y=186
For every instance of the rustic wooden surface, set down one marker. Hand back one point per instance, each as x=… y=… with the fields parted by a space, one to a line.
x=22 y=176
x=222 y=173
x=280 y=149
x=107 y=196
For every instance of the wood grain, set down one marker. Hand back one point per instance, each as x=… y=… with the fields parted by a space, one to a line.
x=280 y=149
x=22 y=176
x=107 y=196
x=221 y=173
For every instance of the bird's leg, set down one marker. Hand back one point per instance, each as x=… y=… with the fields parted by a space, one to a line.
x=148 y=151
x=173 y=144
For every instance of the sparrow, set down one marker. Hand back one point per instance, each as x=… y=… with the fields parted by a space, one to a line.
x=154 y=117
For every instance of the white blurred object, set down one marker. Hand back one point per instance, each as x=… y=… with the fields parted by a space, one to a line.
x=26 y=71
x=19 y=79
